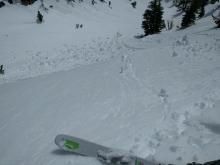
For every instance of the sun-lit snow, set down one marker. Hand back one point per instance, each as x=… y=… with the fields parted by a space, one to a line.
x=157 y=97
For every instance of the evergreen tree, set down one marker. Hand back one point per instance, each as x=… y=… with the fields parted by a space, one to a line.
x=190 y=16
x=146 y=24
x=133 y=4
x=153 y=22
x=39 y=17
x=10 y=1
x=196 y=7
x=2 y=70
x=159 y=22
x=213 y=1
x=2 y=4
x=27 y=2
x=202 y=9
x=182 y=5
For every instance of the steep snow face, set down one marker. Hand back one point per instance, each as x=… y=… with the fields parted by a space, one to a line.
x=29 y=49
x=156 y=97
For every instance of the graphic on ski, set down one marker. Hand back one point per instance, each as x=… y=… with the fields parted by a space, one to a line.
x=71 y=145
x=102 y=153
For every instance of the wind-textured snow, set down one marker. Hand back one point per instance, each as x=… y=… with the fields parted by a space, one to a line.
x=157 y=97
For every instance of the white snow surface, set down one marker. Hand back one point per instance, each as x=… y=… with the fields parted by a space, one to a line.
x=157 y=97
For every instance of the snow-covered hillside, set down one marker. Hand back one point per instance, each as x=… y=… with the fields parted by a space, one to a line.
x=157 y=97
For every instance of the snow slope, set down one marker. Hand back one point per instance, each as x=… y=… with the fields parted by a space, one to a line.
x=57 y=44
x=157 y=97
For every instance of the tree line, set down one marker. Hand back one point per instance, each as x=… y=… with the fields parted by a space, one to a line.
x=192 y=9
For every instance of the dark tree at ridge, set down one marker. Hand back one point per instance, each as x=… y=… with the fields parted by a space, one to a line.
x=153 y=21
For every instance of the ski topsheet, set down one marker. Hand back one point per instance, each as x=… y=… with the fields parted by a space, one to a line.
x=78 y=146
x=104 y=154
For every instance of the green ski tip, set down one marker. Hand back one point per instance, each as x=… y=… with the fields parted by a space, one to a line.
x=71 y=145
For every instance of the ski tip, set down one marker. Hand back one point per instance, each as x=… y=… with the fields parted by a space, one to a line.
x=57 y=139
x=67 y=143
